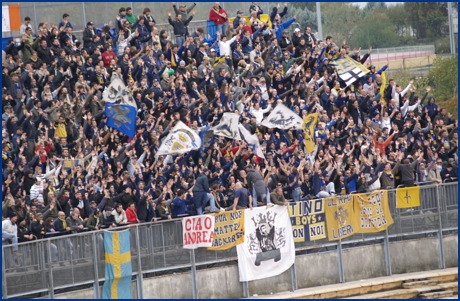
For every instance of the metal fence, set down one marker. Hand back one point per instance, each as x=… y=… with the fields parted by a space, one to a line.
x=398 y=53
x=157 y=247
x=101 y=13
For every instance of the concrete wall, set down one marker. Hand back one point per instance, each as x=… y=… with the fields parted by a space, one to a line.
x=311 y=270
x=363 y=262
x=451 y=251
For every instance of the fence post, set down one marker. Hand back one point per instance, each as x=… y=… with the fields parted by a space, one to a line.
x=245 y=289
x=84 y=15
x=50 y=272
x=339 y=257
x=96 y=270
x=293 y=278
x=441 y=246
x=4 y=287
x=192 y=257
x=386 y=248
x=140 y=293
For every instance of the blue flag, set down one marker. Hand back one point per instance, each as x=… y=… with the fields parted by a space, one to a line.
x=118 y=269
x=121 y=118
x=207 y=139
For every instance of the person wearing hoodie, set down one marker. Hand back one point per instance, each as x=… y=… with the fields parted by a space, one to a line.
x=256 y=184
x=201 y=190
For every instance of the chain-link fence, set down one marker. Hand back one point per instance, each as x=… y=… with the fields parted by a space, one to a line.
x=79 y=259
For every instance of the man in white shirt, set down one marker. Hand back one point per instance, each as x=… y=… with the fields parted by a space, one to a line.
x=36 y=192
x=10 y=231
x=224 y=45
x=258 y=113
x=22 y=29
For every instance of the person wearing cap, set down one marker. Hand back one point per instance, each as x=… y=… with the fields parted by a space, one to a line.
x=236 y=21
x=201 y=191
x=88 y=34
x=220 y=17
x=184 y=12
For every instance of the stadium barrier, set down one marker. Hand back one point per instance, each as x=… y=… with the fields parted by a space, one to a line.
x=157 y=247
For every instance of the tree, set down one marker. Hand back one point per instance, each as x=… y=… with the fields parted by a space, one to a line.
x=375 y=30
x=443 y=77
x=341 y=19
x=400 y=18
x=428 y=19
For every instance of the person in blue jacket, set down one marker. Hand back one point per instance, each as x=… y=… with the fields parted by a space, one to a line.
x=180 y=203
x=280 y=28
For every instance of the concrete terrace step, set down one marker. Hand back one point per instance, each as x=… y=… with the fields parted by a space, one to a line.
x=421 y=283
x=371 y=286
x=437 y=295
x=431 y=292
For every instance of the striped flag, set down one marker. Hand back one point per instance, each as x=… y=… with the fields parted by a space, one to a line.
x=349 y=70
x=11 y=17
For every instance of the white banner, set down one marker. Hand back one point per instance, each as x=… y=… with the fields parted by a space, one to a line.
x=118 y=91
x=198 y=231
x=5 y=19
x=180 y=140
x=268 y=248
x=252 y=140
x=228 y=126
x=283 y=118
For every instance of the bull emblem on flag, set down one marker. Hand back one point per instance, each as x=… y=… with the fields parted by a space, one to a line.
x=119 y=115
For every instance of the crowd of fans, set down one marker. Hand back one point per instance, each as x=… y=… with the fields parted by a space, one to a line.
x=53 y=112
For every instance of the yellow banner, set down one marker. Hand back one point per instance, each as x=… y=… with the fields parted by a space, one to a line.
x=308 y=220
x=382 y=89
x=340 y=218
x=309 y=124
x=228 y=230
x=408 y=197
x=373 y=211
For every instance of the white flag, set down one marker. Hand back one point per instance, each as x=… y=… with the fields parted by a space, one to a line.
x=252 y=140
x=180 y=140
x=283 y=118
x=5 y=19
x=228 y=126
x=268 y=248
x=117 y=91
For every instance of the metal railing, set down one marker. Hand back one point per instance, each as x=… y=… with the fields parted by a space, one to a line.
x=398 y=53
x=78 y=259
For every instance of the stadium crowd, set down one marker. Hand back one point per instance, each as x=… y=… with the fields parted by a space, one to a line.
x=53 y=111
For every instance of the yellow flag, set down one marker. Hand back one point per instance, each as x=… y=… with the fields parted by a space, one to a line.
x=382 y=89
x=309 y=123
x=341 y=221
x=228 y=230
x=373 y=211
x=408 y=197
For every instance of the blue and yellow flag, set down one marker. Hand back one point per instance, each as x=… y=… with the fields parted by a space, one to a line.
x=348 y=69
x=207 y=140
x=309 y=124
x=408 y=197
x=121 y=118
x=118 y=270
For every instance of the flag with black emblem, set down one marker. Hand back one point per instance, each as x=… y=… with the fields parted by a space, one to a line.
x=283 y=118
x=228 y=126
x=349 y=70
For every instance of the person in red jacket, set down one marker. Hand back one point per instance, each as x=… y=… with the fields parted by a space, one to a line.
x=108 y=55
x=380 y=144
x=220 y=17
x=131 y=214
